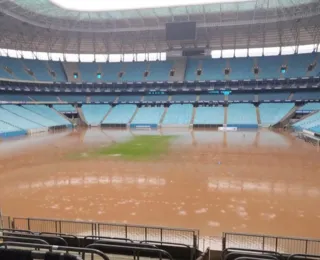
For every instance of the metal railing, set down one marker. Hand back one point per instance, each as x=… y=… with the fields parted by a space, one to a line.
x=283 y=245
x=190 y=237
x=134 y=232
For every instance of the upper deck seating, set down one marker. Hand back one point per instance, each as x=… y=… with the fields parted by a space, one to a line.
x=155 y=98
x=273 y=96
x=306 y=95
x=102 y=98
x=183 y=98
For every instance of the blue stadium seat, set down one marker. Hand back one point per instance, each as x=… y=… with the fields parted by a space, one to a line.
x=64 y=108
x=178 y=115
x=101 y=98
x=306 y=95
x=94 y=114
x=213 y=69
x=155 y=98
x=148 y=115
x=133 y=71
x=131 y=98
x=159 y=70
x=211 y=97
x=44 y=98
x=242 y=115
x=17 y=121
x=57 y=68
x=272 y=113
x=30 y=115
x=14 y=98
x=7 y=130
x=310 y=107
x=88 y=71
x=16 y=66
x=191 y=69
x=241 y=68
x=311 y=123
x=73 y=98
x=110 y=71
x=120 y=114
x=209 y=116
x=183 y=97
x=39 y=69
x=241 y=97
x=47 y=112
x=273 y=96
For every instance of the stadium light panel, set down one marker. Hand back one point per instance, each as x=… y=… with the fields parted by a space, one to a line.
x=103 y=5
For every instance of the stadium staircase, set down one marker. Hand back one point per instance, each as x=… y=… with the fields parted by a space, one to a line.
x=62 y=115
x=109 y=111
x=134 y=114
x=81 y=116
x=258 y=115
x=193 y=115
x=163 y=116
x=179 y=65
x=286 y=119
x=290 y=96
x=225 y=115
x=70 y=68
x=54 y=78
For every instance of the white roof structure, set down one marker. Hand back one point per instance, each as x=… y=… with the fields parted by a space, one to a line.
x=46 y=26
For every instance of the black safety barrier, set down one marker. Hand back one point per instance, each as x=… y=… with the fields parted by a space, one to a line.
x=23 y=240
x=71 y=240
x=177 y=250
x=51 y=239
x=136 y=252
x=50 y=248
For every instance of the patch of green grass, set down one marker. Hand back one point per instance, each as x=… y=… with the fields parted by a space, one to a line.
x=139 y=148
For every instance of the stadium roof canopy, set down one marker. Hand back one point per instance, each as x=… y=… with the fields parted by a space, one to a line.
x=71 y=26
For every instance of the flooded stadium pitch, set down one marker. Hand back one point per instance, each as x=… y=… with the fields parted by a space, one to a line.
x=255 y=182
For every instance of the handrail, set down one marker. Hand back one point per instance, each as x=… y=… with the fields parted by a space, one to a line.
x=233 y=249
x=250 y=258
x=61 y=235
x=267 y=236
x=16 y=230
x=134 y=249
x=105 y=242
x=191 y=250
x=303 y=255
x=267 y=256
x=25 y=239
x=64 y=242
x=111 y=238
x=206 y=252
x=164 y=243
x=62 y=248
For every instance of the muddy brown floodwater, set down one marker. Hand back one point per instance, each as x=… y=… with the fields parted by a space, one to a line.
x=256 y=182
